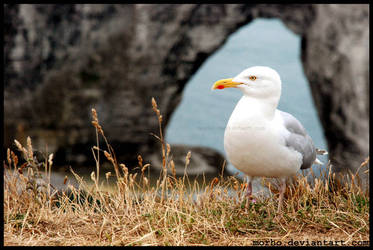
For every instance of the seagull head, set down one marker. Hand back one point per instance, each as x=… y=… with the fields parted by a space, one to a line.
x=256 y=82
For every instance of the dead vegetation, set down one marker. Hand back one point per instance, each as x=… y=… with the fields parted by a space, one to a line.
x=177 y=210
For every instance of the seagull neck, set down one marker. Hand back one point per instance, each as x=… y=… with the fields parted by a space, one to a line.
x=263 y=106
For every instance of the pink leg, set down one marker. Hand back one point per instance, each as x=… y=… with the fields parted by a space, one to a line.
x=249 y=189
x=282 y=191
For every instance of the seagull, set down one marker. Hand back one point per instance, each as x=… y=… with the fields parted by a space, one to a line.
x=259 y=139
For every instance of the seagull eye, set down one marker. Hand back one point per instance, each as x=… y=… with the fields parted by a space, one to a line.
x=252 y=78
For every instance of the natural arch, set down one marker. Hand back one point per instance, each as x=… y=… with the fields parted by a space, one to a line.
x=65 y=59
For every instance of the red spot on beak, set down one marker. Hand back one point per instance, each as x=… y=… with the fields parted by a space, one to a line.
x=220 y=87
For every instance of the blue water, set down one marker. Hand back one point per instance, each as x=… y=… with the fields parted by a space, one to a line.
x=202 y=115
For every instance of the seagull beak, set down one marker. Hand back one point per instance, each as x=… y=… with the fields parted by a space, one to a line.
x=225 y=83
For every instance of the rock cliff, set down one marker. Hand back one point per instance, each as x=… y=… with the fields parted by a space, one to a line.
x=62 y=60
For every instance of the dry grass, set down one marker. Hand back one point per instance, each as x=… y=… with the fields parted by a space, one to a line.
x=177 y=210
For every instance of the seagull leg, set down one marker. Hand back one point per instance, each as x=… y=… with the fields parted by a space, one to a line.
x=282 y=191
x=249 y=190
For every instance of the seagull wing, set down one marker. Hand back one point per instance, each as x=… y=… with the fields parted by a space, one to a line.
x=299 y=140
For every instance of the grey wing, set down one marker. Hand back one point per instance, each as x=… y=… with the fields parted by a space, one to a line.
x=299 y=140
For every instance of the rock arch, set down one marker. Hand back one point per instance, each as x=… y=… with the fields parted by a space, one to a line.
x=62 y=60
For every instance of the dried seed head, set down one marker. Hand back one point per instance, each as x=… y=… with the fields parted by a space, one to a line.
x=93 y=176
x=154 y=104
x=108 y=156
x=22 y=149
x=124 y=168
x=65 y=180
x=98 y=127
x=19 y=146
x=187 y=158
x=29 y=148
x=94 y=115
x=8 y=157
x=168 y=148
x=95 y=122
x=145 y=167
x=107 y=175
x=50 y=159
x=173 y=168
x=139 y=158
x=15 y=159
x=189 y=154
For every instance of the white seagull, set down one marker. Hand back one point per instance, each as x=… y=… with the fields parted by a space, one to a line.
x=260 y=140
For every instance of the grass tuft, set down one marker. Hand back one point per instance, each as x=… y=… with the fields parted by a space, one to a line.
x=176 y=210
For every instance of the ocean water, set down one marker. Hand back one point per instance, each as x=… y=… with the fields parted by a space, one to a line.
x=202 y=115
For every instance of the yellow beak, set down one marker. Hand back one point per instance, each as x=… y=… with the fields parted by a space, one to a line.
x=225 y=83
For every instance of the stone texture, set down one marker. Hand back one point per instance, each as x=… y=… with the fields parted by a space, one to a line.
x=62 y=60
x=335 y=59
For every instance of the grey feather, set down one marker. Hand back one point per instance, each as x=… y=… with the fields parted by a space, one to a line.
x=299 y=140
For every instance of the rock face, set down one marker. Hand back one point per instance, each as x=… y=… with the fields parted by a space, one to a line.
x=335 y=60
x=63 y=60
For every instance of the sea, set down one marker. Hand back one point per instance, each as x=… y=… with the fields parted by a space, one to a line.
x=202 y=115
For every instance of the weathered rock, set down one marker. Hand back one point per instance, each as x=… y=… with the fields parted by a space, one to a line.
x=63 y=60
x=335 y=56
